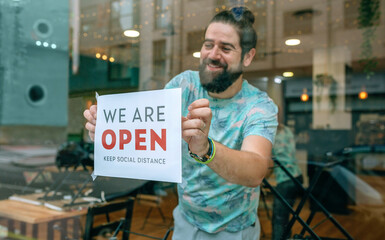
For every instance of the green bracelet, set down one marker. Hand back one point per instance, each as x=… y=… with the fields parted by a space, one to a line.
x=208 y=157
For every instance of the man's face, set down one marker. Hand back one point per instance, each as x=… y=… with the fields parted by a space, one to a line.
x=221 y=61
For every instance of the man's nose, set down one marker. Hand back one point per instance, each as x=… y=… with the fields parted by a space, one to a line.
x=215 y=53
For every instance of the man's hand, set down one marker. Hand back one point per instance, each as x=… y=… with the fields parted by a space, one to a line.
x=90 y=115
x=196 y=126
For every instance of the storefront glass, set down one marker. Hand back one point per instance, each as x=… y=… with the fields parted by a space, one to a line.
x=321 y=61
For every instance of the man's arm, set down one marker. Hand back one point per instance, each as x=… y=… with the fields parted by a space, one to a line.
x=246 y=167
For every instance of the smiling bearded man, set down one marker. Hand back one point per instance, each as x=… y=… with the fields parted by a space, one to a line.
x=228 y=127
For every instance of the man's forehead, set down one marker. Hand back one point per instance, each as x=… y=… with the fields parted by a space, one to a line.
x=223 y=33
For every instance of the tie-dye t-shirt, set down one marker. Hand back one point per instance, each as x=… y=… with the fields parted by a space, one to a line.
x=284 y=151
x=207 y=200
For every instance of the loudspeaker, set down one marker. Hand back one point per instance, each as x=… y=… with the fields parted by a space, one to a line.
x=330 y=194
x=327 y=190
x=34 y=62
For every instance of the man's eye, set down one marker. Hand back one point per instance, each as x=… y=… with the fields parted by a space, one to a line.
x=225 y=49
x=208 y=45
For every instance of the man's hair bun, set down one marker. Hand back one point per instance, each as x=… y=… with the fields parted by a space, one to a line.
x=242 y=13
x=249 y=16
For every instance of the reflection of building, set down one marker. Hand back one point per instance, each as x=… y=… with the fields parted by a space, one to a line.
x=171 y=31
x=33 y=71
x=53 y=60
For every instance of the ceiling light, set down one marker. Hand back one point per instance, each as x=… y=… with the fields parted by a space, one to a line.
x=288 y=74
x=98 y=55
x=292 y=42
x=277 y=80
x=104 y=57
x=304 y=95
x=131 y=33
x=197 y=54
x=363 y=95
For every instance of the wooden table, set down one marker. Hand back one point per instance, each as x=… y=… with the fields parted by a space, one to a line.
x=35 y=215
x=27 y=213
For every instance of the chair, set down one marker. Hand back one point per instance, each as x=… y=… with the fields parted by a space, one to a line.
x=120 y=229
x=307 y=194
x=110 y=225
x=152 y=201
x=168 y=233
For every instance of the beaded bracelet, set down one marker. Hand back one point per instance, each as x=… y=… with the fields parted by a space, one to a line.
x=208 y=157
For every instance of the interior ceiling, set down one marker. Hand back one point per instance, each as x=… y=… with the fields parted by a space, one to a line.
x=299 y=22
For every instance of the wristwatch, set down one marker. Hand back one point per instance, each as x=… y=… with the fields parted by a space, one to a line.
x=208 y=157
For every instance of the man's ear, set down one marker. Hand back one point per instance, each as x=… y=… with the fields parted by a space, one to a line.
x=248 y=58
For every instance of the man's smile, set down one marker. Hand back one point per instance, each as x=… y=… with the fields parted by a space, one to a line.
x=212 y=65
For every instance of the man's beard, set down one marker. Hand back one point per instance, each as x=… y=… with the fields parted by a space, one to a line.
x=217 y=82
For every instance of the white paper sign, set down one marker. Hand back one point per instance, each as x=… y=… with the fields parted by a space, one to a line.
x=138 y=135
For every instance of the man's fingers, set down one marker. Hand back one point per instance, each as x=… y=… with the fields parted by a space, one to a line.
x=184 y=119
x=200 y=103
x=93 y=110
x=89 y=116
x=194 y=124
x=90 y=127
x=204 y=113
x=92 y=135
x=193 y=132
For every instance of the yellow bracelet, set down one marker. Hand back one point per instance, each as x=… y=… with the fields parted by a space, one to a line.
x=207 y=158
x=213 y=151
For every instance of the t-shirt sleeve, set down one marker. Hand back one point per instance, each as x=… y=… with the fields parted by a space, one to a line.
x=182 y=81
x=173 y=83
x=262 y=120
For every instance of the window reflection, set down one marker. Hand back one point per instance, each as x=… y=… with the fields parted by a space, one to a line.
x=333 y=99
x=159 y=58
x=162 y=14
